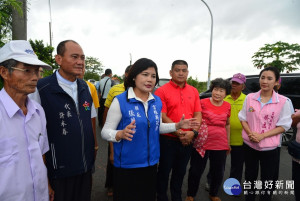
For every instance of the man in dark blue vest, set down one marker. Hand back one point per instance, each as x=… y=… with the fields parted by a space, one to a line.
x=69 y=108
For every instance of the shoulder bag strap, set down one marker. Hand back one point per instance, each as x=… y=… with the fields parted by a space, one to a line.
x=104 y=88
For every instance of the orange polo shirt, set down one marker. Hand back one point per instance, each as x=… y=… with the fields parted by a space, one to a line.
x=177 y=101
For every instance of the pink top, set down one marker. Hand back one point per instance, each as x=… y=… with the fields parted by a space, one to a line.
x=216 y=118
x=264 y=117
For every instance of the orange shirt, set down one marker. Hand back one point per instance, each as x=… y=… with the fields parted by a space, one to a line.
x=178 y=101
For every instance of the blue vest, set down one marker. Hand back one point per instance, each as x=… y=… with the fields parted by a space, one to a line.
x=70 y=133
x=144 y=149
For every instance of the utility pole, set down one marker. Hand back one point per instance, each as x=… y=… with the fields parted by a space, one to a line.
x=130 y=62
x=50 y=24
x=19 y=23
x=210 y=44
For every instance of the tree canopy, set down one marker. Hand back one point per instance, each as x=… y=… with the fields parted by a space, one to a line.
x=6 y=8
x=284 y=56
x=200 y=86
x=93 y=68
x=44 y=53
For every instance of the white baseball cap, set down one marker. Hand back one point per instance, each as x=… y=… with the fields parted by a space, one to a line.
x=21 y=50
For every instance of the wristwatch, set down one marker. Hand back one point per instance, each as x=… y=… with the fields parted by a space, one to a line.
x=195 y=133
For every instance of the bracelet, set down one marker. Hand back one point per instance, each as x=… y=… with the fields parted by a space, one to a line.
x=195 y=133
x=96 y=148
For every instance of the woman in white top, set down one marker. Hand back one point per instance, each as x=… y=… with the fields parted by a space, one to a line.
x=134 y=123
x=264 y=116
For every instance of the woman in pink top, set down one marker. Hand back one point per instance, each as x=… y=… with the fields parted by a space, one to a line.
x=215 y=114
x=265 y=115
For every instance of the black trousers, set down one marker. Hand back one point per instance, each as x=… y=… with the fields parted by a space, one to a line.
x=276 y=175
x=109 y=171
x=267 y=160
x=174 y=158
x=101 y=112
x=135 y=184
x=217 y=160
x=237 y=162
x=76 y=188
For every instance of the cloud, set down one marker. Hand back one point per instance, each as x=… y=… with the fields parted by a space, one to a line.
x=250 y=19
x=168 y=30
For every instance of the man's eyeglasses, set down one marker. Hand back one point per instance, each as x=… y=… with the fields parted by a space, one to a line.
x=28 y=72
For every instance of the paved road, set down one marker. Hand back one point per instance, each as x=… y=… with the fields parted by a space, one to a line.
x=99 y=192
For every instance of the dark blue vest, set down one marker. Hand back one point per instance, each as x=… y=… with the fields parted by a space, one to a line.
x=70 y=133
x=144 y=148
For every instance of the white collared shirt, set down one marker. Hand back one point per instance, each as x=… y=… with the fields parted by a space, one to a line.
x=69 y=87
x=23 y=141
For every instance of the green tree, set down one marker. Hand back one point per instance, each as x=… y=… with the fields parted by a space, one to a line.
x=6 y=8
x=120 y=78
x=284 y=56
x=44 y=53
x=93 y=68
x=200 y=86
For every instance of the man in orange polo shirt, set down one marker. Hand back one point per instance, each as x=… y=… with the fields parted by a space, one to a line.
x=178 y=98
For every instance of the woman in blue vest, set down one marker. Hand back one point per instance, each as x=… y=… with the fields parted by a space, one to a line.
x=133 y=123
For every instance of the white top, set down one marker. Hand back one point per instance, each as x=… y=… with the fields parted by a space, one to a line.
x=69 y=87
x=114 y=117
x=23 y=141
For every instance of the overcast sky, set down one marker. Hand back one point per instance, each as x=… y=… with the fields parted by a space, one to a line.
x=166 y=30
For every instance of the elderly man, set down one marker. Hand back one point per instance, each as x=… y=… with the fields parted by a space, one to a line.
x=236 y=99
x=23 y=135
x=69 y=108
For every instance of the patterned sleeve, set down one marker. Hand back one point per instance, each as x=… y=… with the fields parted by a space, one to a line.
x=109 y=98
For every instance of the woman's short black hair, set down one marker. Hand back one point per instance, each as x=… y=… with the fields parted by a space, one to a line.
x=221 y=83
x=273 y=69
x=138 y=67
